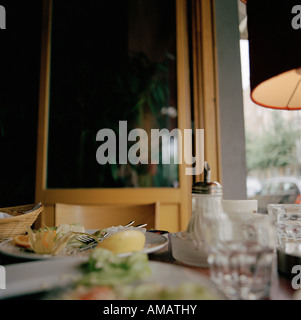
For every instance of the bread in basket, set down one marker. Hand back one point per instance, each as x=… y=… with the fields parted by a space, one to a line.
x=21 y=218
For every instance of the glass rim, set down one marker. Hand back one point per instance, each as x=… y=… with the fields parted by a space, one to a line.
x=253 y=219
x=284 y=205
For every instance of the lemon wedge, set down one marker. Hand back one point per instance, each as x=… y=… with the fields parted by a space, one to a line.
x=124 y=241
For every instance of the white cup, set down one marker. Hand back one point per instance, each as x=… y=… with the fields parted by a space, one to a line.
x=240 y=209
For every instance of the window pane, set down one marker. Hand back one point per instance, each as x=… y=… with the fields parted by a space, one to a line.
x=111 y=61
x=272 y=138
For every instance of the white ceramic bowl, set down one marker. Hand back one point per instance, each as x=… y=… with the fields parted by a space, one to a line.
x=183 y=250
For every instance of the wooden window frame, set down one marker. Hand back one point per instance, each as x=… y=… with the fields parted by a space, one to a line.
x=205 y=102
x=175 y=203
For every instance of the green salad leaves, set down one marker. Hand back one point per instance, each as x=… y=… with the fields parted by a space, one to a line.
x=106 y=268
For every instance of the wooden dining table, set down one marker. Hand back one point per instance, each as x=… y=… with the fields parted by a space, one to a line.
x=281 y=286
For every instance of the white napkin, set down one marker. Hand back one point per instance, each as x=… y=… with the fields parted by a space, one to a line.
x=4 y=215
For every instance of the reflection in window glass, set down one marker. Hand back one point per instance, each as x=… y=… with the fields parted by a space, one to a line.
x=110 y=62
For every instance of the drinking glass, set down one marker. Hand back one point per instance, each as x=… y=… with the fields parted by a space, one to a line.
x=287 y=221
x=241 y=255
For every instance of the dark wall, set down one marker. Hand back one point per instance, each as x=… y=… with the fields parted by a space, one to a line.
x=20 y=47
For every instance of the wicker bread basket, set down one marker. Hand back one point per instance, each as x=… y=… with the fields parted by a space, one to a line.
x=22 y=217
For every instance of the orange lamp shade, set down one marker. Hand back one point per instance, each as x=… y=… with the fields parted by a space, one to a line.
x=275 y=53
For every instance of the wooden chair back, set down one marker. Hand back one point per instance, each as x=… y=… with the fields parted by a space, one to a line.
x=104 y=216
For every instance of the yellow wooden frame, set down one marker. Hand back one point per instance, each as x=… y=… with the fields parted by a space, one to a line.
x=205 y=108
x=175 y=203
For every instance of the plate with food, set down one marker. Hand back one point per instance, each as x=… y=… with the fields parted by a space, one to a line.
x=107 y=276
x=62 y=241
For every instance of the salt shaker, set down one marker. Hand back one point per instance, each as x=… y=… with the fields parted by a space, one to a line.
x=206 y=204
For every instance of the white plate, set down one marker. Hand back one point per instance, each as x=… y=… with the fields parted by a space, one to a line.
x=153 y=242
x=38 y=276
